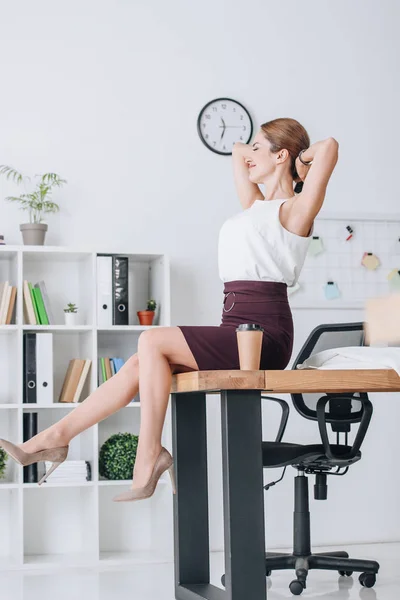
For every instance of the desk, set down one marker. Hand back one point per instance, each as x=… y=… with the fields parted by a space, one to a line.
x=242 y=469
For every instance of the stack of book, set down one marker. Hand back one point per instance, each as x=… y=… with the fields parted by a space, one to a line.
x=7 y=303
x=36 y=304
x=70 y=471
x=74 y=379
x=108 y=367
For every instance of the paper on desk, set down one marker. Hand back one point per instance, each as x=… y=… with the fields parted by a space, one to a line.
x=354 y=357
x=382 y=319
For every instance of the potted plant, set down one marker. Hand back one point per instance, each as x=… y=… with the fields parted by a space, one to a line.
x=3 y=460
x=146 y=316
x=117 y=456
x=71 y=314
x=38 y=202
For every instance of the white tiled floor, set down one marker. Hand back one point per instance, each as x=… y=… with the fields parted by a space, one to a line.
x=155 y=582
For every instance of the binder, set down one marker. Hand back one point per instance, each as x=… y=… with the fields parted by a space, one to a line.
x=120 y=290
x=29 y=366
x=44 y=368
x=104 y=291
x=29 y=430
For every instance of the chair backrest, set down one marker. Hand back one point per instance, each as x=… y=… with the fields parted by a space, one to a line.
x=342 y=407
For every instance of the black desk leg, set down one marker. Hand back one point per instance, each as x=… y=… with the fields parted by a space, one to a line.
x=245 y=571
x=191 y=535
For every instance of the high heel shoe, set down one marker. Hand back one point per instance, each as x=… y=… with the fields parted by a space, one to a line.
x=163 y=462
x=55 y=455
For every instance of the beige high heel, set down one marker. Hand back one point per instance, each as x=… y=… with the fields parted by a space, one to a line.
x=164 y=461
x=55 y=455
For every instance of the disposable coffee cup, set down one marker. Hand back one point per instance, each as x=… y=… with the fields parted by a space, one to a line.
x=249 y=340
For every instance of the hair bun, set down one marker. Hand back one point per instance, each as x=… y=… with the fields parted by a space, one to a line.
x=298 y=187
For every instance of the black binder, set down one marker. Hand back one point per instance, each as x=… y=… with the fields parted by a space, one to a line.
x=29 y=430
x=29 y=375
x=120 y=290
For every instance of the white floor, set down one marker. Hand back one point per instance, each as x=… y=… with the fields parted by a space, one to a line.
x=155 y=582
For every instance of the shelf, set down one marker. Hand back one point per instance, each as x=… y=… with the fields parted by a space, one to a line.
x=42 y=561
x=139 y=557
x=50 y=484
x=57 y=328
x=57 y=405
x=128 y=327
x=124 y=482
x=69 y=523
x=59 y=523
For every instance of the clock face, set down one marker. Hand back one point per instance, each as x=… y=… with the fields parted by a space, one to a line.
x=223 y=122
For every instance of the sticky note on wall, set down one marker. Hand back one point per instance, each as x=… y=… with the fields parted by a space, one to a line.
x=316 y=246
x=394 y=279
x=331 y=290
x=370 y=261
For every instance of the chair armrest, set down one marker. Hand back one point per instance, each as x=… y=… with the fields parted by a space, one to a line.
x=285 y=415
x=362 y=429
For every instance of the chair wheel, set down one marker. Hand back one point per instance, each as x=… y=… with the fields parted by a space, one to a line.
x=223 y=579
x=367 y=580
x=346 y=573
x=296 y=587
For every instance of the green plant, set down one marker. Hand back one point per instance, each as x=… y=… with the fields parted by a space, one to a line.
x=71 y=308
x=151 y=305
x=38 y=201
x=3 y=460
x=117 y=456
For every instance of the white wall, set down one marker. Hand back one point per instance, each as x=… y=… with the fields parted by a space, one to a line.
x=107 y=94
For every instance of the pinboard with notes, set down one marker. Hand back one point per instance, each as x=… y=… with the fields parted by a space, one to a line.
x=350 y=259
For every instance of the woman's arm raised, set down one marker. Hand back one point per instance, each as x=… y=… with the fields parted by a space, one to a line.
x=247 y=191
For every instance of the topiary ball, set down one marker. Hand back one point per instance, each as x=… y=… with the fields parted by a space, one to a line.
x=3 y=460
x=117 y=456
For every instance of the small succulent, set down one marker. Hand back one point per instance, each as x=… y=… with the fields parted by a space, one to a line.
x=151 y=305
x=71 y=308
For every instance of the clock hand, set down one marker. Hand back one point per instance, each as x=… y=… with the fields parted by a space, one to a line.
x=224 y=127
x=234 y=126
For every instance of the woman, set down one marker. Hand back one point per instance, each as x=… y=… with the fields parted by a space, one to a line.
x=261 y=251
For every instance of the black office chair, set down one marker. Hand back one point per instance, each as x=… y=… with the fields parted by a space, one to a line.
x=340 y=411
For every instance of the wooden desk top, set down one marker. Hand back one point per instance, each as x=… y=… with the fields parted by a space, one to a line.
x=300 y=380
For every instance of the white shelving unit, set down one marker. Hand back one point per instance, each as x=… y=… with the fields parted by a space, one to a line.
x=78 y=524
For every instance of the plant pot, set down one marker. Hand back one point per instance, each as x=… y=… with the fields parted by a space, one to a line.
x=71 y=319
x=145 y=317
x=33 y=234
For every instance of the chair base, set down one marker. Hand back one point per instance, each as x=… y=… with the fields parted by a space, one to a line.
x=333 y=561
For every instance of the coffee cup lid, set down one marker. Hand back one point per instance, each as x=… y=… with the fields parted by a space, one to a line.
x=249 y=327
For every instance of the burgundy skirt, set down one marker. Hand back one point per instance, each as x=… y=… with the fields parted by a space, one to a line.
x=262 y=302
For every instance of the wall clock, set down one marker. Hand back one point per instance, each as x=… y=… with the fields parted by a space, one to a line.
x=221 y=123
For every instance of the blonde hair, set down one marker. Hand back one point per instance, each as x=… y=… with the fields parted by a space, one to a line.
x=287 y=133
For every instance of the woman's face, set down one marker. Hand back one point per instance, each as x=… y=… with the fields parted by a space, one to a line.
x=260 y=160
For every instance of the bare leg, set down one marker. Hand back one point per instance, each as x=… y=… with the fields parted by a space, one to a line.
x=112 y=395
x=154 y=386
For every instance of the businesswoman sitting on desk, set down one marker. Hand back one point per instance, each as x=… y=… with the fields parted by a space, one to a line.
x=261 y=251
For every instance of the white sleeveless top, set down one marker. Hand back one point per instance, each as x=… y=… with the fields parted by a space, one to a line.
x=253 y=245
